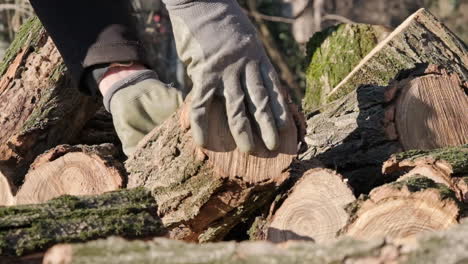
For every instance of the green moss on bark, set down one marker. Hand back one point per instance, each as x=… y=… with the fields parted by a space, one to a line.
x=29 y=32
x=333 y=53
x=32 y=228
x=457 y=157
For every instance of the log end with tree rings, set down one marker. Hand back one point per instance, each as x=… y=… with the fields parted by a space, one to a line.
x=431 y=110
x=403 y=209
x=314 y=209
x=72 y=170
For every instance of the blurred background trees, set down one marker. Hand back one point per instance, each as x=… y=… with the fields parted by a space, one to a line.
x=284 y=25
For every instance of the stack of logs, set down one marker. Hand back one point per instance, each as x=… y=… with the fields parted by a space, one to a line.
x=386 y=156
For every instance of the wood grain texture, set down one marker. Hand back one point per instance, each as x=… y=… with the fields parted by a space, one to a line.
x=357 y=133
x=421 y=38
x=7 y=190
x=40 y=107
x=202 y=193
x=314 y=209
x=403 y=209
x=72 y=170
x=449 y=247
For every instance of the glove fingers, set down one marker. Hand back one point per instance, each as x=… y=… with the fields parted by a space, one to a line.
x=199 y=113
x=259 y=106
x=236 y=114
x=278 y=104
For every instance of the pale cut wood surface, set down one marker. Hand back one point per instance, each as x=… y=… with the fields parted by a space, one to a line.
x=72 y=170
x=7 y=190
x=314 y=210
x=403 y=210
x=432 y=111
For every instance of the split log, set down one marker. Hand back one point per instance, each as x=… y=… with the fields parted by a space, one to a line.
x=403 y=209
x=448 y=247
x=419 y=39
x=40 y=108
x=424 y=108
x=448 y=166
x=7 y=191
x=33 y=228
x=313 y=210
x=203 y=193
x=72 y=170
x=333 y=54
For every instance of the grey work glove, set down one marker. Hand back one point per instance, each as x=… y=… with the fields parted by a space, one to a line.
x=226 y=59
x=138 y=104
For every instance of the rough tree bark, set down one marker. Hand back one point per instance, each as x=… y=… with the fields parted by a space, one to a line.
x=72 y=170
x=203 y=193
x=332 y=54
x=420 y=39
x=448 y=166
x=422 y=108
x=33 y=228
x=37 y=100
x=450 y=247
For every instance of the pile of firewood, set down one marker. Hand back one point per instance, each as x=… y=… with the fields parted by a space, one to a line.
x=386 y=157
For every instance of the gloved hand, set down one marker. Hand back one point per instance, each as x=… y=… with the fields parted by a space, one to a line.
x=138 y=104
x=226 y=59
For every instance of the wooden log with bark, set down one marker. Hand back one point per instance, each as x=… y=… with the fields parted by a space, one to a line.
x=448 y=247
x=314 y=209
x=33 y=228
x=419 y=39
x=39 y=107
x=72 y=170
x=203 y=193
x=448 y=166
x=7 y=191
x=424 y=108
x=403 y=209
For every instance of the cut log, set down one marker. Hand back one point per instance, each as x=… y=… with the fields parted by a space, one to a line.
x=314 y=209
x=447 y=166
x=72 y=170
x=449 y=247
x=33 y=228
x=40 y=108
x=333 y=54
x=98 y=130
x=403 y=209
x=426 y=108
x=419 y=39
x=7 y=190
x=203 y=193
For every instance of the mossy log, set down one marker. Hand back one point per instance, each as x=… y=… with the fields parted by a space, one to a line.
x=33 y=228
x=314 y=209
x=424 y=108
x=203 y=193
x=450 y=247
x=333 y=54
x=448 y=166
x=403 y=209
x=419 y=39
x=40 y=108
x=72 y=170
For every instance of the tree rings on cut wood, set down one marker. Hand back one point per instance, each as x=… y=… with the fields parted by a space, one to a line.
x=202 y=193
x=73 y=170
x=403 y=209
x=432 y=110
x=314 y=209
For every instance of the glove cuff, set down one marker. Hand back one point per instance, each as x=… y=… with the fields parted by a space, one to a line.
x=132 y=79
